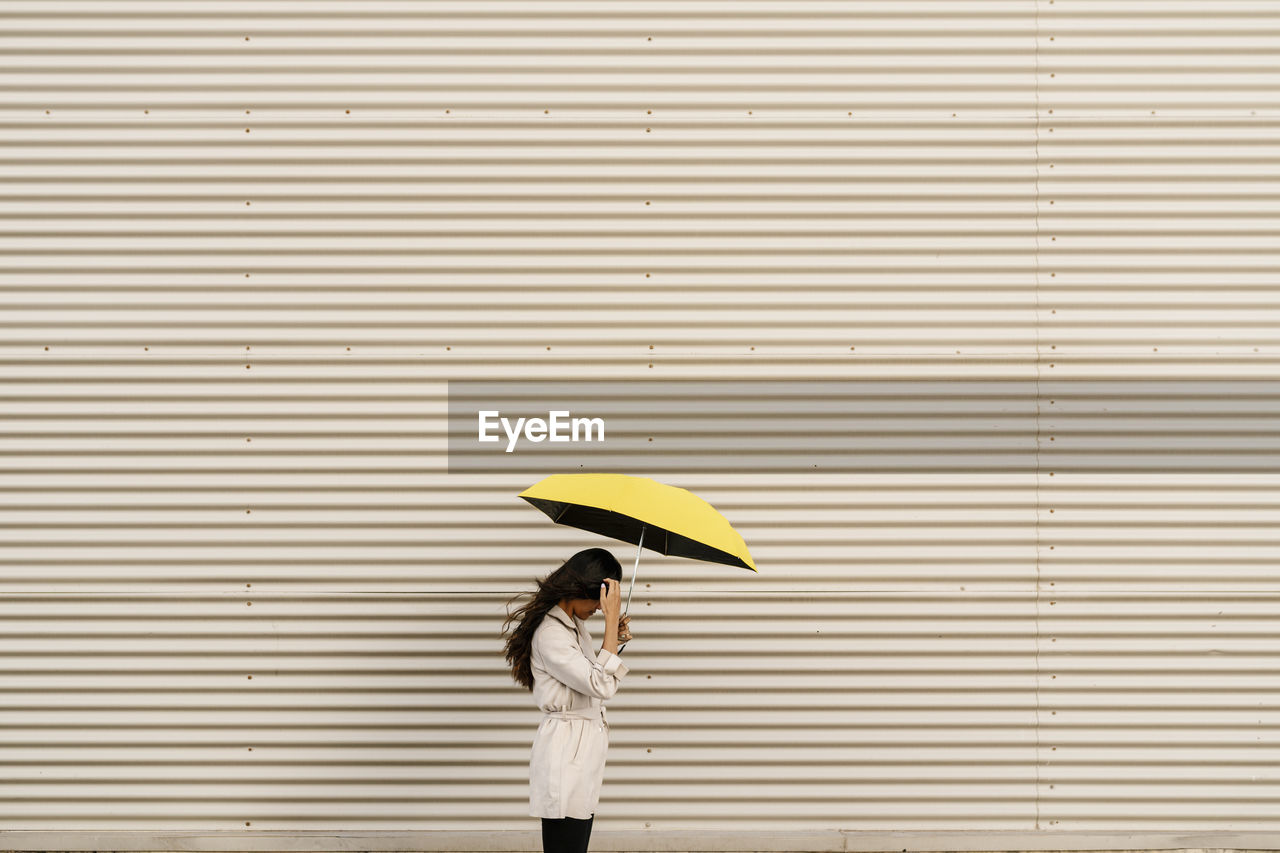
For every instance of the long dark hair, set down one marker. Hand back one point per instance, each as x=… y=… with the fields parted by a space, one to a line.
x=579 y=577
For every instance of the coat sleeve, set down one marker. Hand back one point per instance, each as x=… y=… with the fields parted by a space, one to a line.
x=564 y=660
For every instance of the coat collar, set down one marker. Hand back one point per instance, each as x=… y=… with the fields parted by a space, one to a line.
x=557 y=613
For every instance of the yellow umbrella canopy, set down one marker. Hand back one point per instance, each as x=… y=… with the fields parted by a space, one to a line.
x=672 y=521
x=644 y=512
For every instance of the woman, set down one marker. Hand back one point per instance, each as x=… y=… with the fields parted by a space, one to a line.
x=550 y=653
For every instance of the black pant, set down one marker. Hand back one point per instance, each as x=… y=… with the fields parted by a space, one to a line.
x=566 y=835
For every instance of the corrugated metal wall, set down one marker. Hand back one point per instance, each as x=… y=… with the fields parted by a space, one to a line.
x=246 y=244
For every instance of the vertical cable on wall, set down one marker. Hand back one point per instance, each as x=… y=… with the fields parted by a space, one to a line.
x=1036 y=544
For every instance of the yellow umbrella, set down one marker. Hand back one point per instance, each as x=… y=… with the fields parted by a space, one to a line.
x=653 y=515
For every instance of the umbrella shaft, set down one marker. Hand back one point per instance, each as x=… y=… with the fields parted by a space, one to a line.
x=635 y=570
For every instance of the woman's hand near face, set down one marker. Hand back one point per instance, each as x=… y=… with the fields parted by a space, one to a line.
x=611 y=604
x=611 y=599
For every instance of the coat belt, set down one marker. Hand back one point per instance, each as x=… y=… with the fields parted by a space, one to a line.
x=596 y=713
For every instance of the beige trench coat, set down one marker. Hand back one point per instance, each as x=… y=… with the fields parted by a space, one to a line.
x=570 y=684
